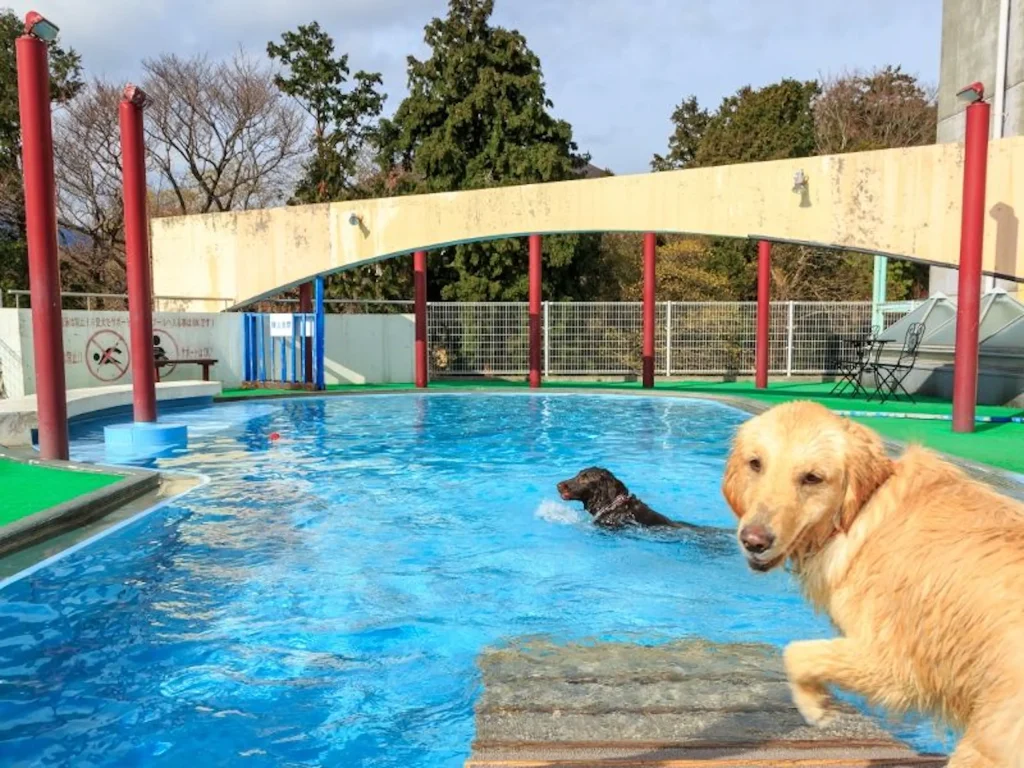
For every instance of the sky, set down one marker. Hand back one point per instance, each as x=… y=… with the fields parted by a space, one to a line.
x=615 y=69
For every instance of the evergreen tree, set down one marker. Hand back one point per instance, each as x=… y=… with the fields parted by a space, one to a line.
x=477 y=116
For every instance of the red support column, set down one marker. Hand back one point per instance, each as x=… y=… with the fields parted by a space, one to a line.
x=41 y=234
x=535 y=310
x=419 y=265
x=972 y=230
x=764 y=283
x=136 y=240
x=306 y=307
x=650 y=251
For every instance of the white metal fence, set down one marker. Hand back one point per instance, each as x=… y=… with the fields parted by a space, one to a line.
x=605 y=338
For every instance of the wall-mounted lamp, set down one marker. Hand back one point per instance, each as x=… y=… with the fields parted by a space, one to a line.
x=355 y=219
x=972 y=93
x=799 y=182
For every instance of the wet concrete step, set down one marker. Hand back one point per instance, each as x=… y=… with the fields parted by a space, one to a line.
x=686 y=703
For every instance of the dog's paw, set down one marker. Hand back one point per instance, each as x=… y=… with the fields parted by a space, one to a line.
x=814 y=706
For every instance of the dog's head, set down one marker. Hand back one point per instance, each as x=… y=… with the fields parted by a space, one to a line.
x=594 y=486
x=796 y=475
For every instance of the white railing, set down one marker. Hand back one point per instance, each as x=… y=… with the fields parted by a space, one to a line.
x=605 y=338
x=106 y=301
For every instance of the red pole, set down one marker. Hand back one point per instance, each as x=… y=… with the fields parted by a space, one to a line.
x=535 y=309
x=650 y=251
x=41 y=235
x=764 y=284
x=136 y=241
x=306 y=307
x=419 y=266
x=972 y=231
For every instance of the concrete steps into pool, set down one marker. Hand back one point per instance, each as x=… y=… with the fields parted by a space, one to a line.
x=680 y=705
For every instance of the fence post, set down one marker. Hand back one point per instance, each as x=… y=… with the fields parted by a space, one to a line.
x=419 y=260
x=41 y=237
x=534 y=310
x=136 y=236
x=650 y=250
x=318 y=333
x=789 y=339
x=972 y=230
x=547 y=345
x=668 y=339
x=761 y=349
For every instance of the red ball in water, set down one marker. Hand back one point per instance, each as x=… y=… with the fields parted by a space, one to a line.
x=275 y=435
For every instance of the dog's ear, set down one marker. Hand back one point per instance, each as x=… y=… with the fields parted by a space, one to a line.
x=732 y=481
x=867 y=467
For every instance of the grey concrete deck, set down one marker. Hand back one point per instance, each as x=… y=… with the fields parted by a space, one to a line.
x=687 y=703
x=18 y=415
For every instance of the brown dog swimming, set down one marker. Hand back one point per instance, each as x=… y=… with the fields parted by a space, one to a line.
x=610 y=503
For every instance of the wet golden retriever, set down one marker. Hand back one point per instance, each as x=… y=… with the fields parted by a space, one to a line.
x=920 y=568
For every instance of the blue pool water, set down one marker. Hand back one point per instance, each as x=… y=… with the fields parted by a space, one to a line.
x=322 y=600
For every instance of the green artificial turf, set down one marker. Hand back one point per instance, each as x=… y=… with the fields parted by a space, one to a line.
x=29 y=488
x=999 y=445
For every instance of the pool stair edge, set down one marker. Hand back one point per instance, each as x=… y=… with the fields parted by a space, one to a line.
x=677 y=704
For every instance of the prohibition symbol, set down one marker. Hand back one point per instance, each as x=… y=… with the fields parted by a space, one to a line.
x=106 y=355
x=164 y=348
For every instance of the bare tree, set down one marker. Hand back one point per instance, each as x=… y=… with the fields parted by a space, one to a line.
x=877 y=110
x=220 y=134
x=87 y=166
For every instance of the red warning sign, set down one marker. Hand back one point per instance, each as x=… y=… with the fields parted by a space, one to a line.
x=107 y=355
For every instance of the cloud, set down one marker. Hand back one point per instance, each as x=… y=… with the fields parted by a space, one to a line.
x=614 y=68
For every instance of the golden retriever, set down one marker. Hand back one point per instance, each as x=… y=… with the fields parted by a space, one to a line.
x=920 y=568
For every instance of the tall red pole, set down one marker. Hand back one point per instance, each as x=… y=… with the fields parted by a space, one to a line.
x=306 y=307
x=41 y=235
x=972 y=232
x=535 y=310
x=764 y=284
x=136 y=241
x=650 y=251
x=419 y=266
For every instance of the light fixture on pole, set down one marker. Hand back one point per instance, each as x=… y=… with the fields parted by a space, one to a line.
x=39 y=26
x=972 y=93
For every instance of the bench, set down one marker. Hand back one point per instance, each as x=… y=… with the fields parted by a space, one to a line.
x=205 y=362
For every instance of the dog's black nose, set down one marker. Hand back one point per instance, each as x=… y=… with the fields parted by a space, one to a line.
x=756 y=539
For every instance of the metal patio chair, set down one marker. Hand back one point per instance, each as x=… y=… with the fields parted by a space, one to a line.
x=854 y=359
x=889 y=377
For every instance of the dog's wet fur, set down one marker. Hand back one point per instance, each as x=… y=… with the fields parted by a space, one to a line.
x=610 y=503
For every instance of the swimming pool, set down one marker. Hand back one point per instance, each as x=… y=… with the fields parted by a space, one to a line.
x=322 y=600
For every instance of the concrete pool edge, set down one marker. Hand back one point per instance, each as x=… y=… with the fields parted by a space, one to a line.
x=73 y=513
x=169 y=488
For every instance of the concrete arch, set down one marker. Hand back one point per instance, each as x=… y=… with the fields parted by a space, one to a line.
x=901 y=202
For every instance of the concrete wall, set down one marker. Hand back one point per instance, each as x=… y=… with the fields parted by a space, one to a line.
x=902 y=202
x=970 y=35
x=369 y=349
x=359 y=348
x=12 y=380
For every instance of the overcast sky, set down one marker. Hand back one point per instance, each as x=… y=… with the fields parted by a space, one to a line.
x=614 y=68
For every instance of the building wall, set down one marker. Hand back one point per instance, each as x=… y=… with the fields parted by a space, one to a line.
x=970 y=33
x=359 y=349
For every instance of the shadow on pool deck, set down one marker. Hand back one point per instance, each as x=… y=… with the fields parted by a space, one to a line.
x=689 y=702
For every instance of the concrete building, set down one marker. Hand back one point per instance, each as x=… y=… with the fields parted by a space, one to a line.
x=982 y=40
